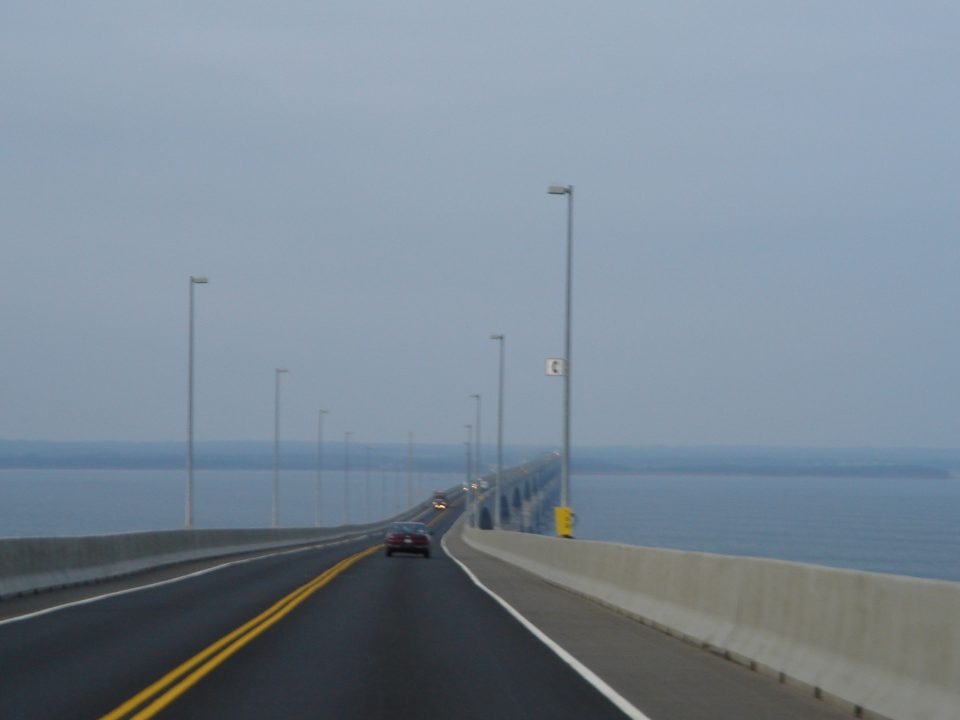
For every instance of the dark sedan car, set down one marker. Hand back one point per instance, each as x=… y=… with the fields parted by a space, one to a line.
x=407 y=537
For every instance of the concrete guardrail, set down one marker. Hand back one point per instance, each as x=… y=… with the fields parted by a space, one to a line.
x=32 y=565
x=880 y=645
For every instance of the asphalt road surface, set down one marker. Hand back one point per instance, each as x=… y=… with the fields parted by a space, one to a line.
x=342 y=631
x=400 y=637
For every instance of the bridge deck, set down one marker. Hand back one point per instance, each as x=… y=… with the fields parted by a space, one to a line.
x=663 y=677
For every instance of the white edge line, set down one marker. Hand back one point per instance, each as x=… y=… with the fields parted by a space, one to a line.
x=586 y=673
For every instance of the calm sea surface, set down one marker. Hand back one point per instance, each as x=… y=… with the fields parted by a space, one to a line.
x=37 y=503
x=892 y=525
x=902 y=526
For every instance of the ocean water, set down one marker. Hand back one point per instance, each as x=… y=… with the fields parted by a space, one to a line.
x=39 y=503
x=903 y=526
x=894 y=525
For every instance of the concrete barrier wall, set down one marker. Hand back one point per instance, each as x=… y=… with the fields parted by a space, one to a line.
x=29 y=565
x=886 y=644
x=36 y=564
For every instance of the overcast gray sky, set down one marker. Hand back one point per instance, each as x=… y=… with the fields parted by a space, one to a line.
x=766 y=222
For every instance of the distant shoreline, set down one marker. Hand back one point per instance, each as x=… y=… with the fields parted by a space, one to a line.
x=920 y=463
x=435 y=467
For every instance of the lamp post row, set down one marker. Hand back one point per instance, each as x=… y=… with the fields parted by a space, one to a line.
x=564 y=514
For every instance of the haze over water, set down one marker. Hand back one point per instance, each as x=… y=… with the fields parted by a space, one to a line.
x=37 y=503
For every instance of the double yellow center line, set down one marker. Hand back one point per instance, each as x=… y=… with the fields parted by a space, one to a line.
x=150 y=701
x=176 y=682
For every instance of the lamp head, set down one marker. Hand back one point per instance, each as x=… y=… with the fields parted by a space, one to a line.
x=559 y=189
x=199 y=279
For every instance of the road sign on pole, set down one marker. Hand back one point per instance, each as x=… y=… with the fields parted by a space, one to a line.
x=556 y=366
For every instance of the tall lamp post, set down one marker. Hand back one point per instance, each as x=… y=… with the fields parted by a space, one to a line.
x=319 y=463
x=564 y=514
x=469 y=460
x=383 y=492
x=366 y=483
x=194 y=280
x=477 y=460
x=276 y=445
x=410 y=470
x=477 y=455
x=346 y=477
x=496 y=493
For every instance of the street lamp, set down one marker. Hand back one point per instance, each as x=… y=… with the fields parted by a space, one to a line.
x=410 y=470
x=383 y=492
x=478 y=456
x=496 y=493
x=276 y=445
x=366 y=482
x=346 y=477
x=470 y=457
x=478 y=460
x=194 y=280
x=469 y=470
x=320 y=463
x=564 y=512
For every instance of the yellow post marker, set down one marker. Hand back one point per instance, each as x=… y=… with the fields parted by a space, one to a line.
x=563 y=519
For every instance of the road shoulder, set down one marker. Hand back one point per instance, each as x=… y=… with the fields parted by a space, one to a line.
x=662 y=676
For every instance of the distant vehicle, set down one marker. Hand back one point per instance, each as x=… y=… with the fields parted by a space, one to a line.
x=440 y=500
x=407 y=537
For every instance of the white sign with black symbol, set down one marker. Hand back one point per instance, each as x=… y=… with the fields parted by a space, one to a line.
x=555 y=366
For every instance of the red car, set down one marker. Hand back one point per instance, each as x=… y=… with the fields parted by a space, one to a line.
x=407 y=537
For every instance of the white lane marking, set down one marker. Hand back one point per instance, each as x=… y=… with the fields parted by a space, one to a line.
x=169 y=581
x=586 y=673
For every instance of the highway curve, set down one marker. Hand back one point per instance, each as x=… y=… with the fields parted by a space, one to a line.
x=379 y=638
